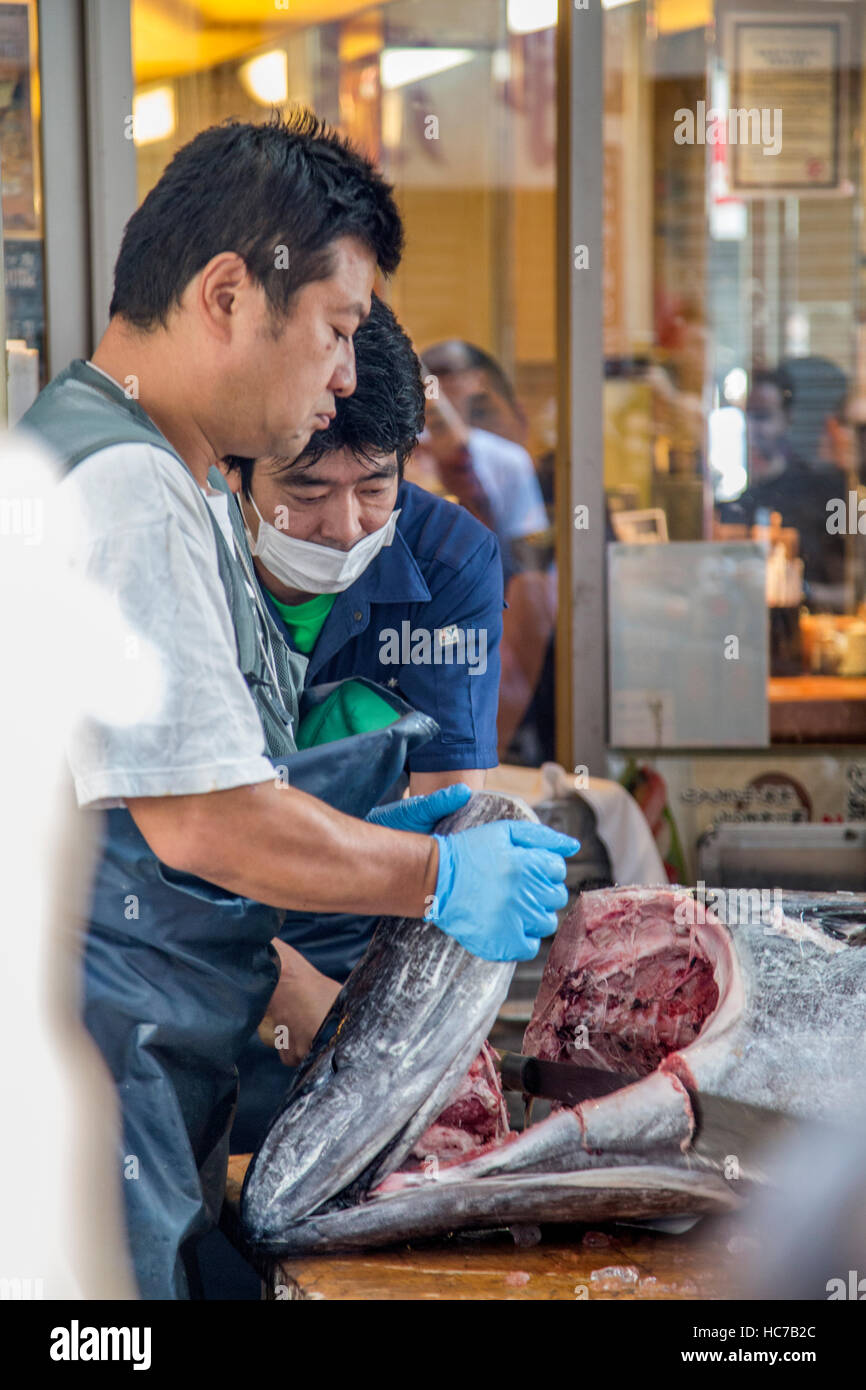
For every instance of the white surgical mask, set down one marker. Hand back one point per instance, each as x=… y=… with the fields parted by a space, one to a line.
x=316 y=569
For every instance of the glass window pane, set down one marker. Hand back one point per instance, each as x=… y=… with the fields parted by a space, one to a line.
x=735 y=355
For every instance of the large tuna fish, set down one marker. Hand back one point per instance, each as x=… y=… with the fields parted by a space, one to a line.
x=394 y=1127
x=400 y=1038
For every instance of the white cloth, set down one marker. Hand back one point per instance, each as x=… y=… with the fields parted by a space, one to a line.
x=147 y=542
x=507 y=474
x=621 y=825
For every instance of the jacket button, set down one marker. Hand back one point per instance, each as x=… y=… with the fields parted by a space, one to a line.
x=357 y=615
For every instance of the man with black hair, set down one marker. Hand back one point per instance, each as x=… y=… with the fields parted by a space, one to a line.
x=478 y=388
x=476 y=433
x=240 y=282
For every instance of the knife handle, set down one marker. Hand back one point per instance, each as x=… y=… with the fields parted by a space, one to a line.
x=517 y=1073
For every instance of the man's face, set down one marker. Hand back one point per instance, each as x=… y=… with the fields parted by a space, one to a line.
x=481 y=406
x=334 y=502
x=284 y=376
x=445 y=434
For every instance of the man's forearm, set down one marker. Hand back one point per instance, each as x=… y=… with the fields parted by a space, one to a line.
x=423 y=783
x=280 y=846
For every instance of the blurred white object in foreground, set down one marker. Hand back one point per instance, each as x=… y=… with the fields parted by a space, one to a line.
x=61 y=1228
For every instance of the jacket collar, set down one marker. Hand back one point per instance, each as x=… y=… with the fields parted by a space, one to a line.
x=393 y=577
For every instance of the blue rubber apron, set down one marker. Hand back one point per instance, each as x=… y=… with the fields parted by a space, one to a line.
x=178 y=976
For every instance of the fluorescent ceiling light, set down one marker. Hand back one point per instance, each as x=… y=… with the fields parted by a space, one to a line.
x=266 y=78
x=400 y=66
x=614 y=4
x=528 y=16
x=153 y=115
x=736 y=385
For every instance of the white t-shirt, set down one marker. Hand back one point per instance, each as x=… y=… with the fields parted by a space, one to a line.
x=507 y=474
x=148 y=542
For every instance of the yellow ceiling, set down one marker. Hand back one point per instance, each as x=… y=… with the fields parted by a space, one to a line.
x=170 y=37
x=674 y=15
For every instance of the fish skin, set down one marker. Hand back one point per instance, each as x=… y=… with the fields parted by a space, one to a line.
x=799 y=1044
x=401 y=1036
x=652 y=1122
x=785 y=1033
x=627 y=1192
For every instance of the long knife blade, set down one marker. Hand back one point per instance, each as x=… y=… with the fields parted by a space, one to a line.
x=563 y=1081
x=725 y=1129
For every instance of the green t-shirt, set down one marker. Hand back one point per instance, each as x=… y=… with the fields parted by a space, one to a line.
x=305 y=620
x=352 y=708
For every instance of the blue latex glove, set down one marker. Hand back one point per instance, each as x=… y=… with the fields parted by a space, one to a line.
x=421 y=813
x=499 y=886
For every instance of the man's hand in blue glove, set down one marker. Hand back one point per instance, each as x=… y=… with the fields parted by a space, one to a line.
x=421 y=813
x=499 y=886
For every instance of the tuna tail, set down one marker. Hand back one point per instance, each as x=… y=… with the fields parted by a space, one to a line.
x=402 y=1033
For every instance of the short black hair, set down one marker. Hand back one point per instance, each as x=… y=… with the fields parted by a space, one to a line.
x=385 y=413
x=253 y=189
x=456 y=355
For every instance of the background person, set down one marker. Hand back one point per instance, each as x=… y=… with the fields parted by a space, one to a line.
x=477 y=433
x=793 y=420
x=491 y=477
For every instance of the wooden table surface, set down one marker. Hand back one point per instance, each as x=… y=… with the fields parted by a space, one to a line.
x=574 y=1263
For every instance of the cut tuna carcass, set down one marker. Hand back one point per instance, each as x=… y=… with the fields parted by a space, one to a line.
x=475 y=1117
x=644 y=982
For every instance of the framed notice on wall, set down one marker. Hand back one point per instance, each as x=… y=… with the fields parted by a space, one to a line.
x=19 y=145
x=786 y=126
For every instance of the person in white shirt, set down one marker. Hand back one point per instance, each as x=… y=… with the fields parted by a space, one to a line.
x=239 y=284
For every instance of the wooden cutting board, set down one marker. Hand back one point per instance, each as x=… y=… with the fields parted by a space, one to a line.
x=571 y=1263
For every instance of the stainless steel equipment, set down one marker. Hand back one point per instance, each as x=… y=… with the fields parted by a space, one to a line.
x=803 y=856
